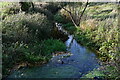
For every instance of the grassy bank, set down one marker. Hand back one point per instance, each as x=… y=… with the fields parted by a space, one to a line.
x=99 y=31
x=29 y=37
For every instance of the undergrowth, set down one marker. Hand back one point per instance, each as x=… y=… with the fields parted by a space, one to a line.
x=99 y=30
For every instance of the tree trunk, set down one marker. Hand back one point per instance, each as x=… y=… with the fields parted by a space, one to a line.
x=83 y=12
x=74 y=17
x=32 y=6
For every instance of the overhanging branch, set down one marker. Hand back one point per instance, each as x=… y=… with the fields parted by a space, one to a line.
x=70 y=14
x=76 y=24
x=83 y=11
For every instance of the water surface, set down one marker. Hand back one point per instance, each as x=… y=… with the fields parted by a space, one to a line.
x=79 y=63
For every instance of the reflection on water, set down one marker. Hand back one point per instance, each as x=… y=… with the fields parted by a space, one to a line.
x=79 y=63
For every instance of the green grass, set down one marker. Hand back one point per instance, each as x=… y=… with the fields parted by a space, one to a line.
x=94 y=73
x=30 y=53
x=3 y=4
x=27 y=36
x=69 y=27
x=103 y=36
x=99 y=30
x=101 y=12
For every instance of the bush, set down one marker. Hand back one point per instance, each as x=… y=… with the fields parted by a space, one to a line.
x=9 y=8
x=26 y=27
x=25 y=6
x=104 y=38
x=52 y=7
x=70 y=27
x=45 y=12
x=29 y=53
x=52 y=45
x=20 y=51
x=60 y=18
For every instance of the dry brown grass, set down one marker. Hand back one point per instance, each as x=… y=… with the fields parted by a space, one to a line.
x=88 y=24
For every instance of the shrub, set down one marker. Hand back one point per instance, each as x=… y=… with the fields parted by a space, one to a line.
x=29 y=53
x=105 y=38
x=52 y=7
x=52 y=45
x=23 y=27
x=25 y=6
x=45 y=12
x=70 y=27
x=20 y=51
x=9 y=8
x=59 y=18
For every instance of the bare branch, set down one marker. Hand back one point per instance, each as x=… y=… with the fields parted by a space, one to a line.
x=83 y=11
x=75 y=16
x=70 y=14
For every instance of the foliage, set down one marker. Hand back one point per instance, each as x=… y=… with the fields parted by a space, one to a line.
x=19 y=27
x=59 y=18
x=52 y=45
x=69 y=27
x=101 y=34
x=25 y=6
x=29 y=53
x=44 y=11
x=99 y=31
x=74 y=12
x=101 y=12
x=27 y=37
x=9 y=8
x=52 y=7
x=95 y=74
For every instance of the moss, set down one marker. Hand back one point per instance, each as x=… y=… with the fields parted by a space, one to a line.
x=94 y=73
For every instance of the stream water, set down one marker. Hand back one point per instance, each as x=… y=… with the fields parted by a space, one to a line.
x=80 y=62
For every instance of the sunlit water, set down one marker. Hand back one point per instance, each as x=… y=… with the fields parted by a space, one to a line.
x=75 y=66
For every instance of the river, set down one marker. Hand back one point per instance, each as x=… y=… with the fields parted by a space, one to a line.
x=78 y=63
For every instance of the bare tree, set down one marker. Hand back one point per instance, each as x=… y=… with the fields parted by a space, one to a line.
x=75 y=13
